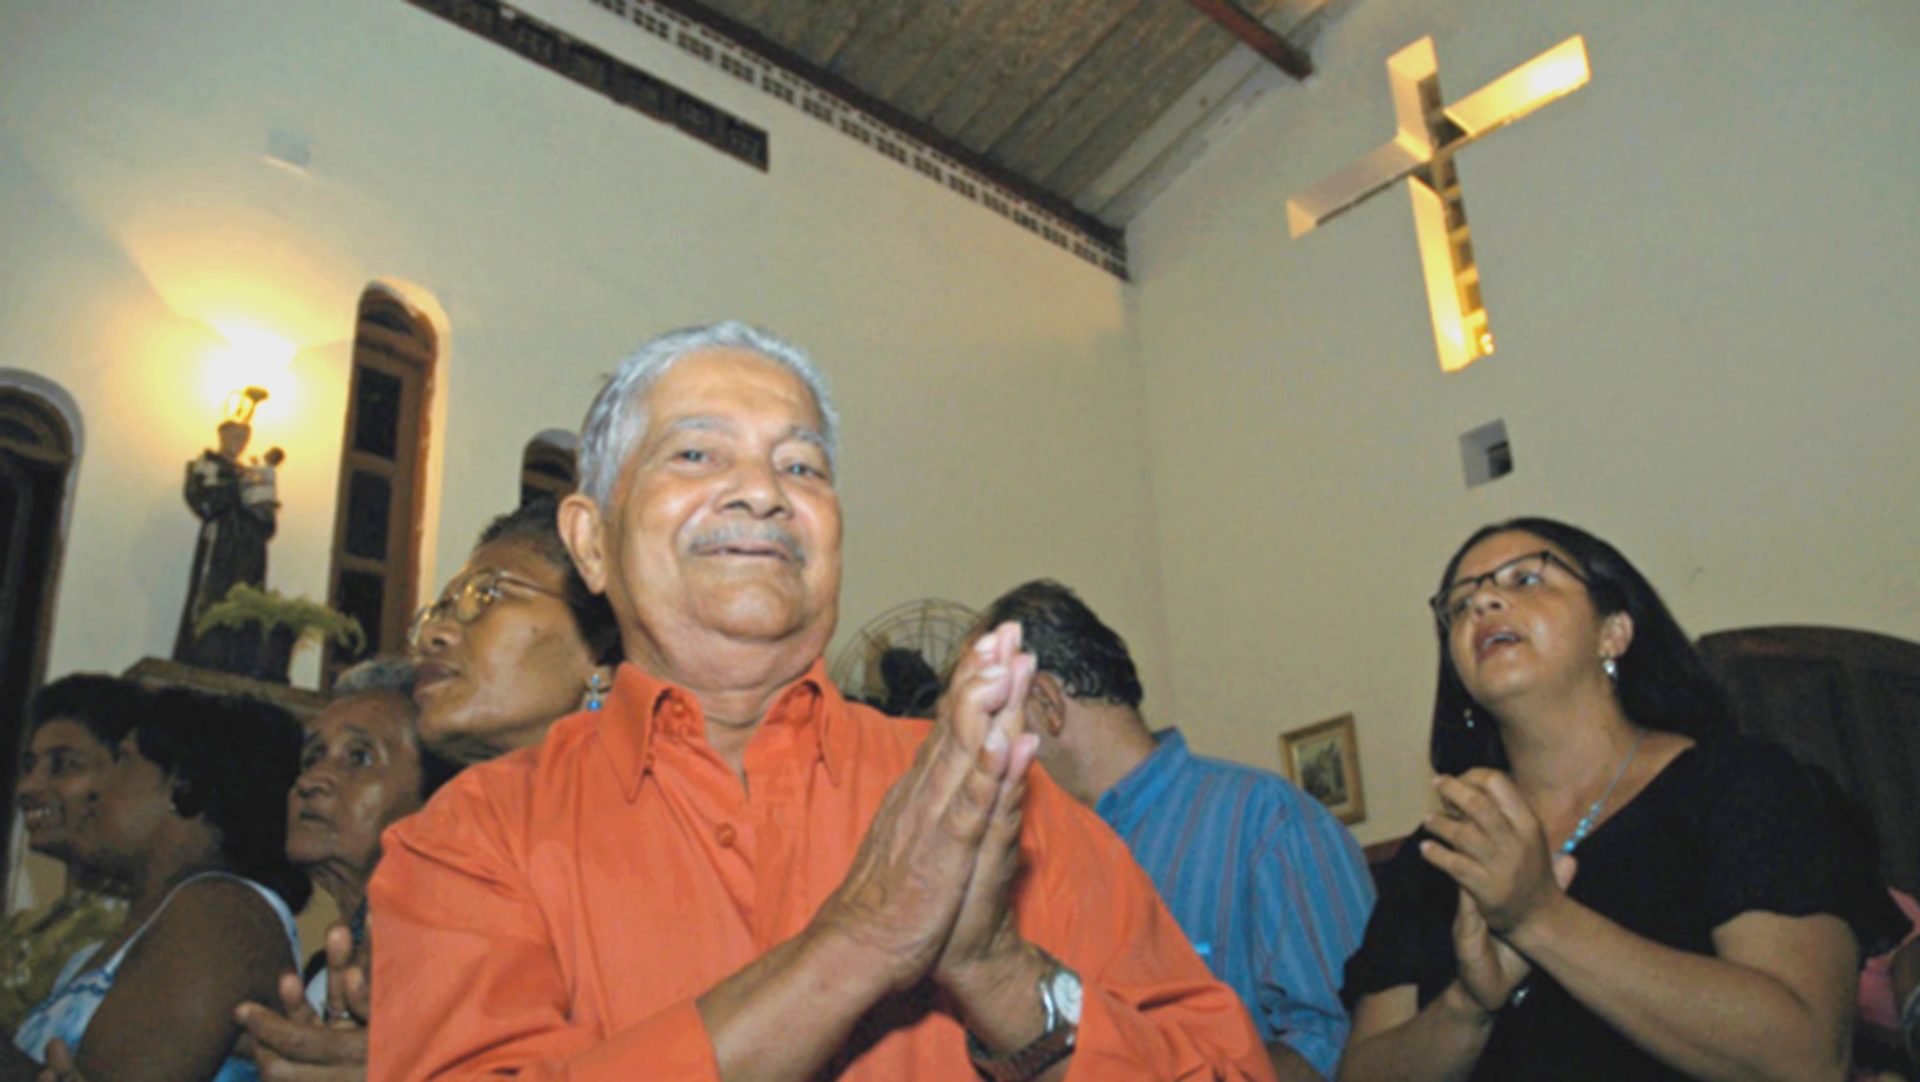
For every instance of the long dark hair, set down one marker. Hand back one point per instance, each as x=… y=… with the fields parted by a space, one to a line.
x=231 y=761
x=1662 y=683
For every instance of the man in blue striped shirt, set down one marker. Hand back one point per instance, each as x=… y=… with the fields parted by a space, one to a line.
x=1271 y=889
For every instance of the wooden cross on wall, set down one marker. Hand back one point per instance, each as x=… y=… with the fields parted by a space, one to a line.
x=1421 y=152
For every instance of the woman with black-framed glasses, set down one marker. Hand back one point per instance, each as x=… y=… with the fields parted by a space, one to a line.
x=514 y=643
x=1612 y=885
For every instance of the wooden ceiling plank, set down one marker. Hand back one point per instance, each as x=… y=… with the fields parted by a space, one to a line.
x=790 y=23
x=1256 y=35
x=1080 y=165
x=970 y=43
x=1045 y=57
x=1016 y=40
x=1102 y=77
x=829 y=26
x=887 y=70
x=877 y=40
x=750 y=12
x=780 y=56
x=1131 y=98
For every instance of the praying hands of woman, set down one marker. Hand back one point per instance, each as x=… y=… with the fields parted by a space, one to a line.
x=296 y=1044
x=1496 y=850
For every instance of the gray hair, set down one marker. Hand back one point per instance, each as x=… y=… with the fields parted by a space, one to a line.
x=617 y=422
x=395 y=674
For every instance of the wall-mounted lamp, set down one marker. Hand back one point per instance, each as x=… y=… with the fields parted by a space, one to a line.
x=241 y=404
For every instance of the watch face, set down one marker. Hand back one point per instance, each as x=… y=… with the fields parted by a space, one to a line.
x=1066 y=995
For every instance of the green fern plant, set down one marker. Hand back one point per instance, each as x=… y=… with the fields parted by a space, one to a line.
x=244 y=606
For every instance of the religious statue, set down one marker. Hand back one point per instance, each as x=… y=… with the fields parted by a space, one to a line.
x=237 y=504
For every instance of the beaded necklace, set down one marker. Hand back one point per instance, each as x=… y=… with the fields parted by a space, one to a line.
x=1585 y=825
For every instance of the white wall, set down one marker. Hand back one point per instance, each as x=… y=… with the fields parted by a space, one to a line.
x=557 y=231
x=1697 y=267
x=988 y=380
x=1699 y=270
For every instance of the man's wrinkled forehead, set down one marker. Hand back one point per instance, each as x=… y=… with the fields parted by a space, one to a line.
x=727 y=426
x=639 y=416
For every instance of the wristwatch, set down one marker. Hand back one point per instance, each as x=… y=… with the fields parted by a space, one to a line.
x=1060 y=998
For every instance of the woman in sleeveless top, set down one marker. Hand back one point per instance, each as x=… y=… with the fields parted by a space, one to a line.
x=191 y=817
x=70 y=731
x=1612 y=887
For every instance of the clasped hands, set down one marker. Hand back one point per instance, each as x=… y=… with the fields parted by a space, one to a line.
x=1496 y=851
x=296 y=1044
x=929 y=892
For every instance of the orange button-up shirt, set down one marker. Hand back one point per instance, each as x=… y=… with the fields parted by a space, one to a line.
x=557 y=912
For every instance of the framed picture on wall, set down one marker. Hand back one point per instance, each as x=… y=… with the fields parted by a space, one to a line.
x=1323 y=760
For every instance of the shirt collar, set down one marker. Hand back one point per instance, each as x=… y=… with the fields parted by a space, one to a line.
x=1136 y=794
x=643 y=707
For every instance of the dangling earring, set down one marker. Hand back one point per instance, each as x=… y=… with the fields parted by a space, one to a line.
x=1611 y=668
x=596 y=691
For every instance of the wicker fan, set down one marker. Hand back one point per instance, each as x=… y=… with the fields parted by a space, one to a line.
x=895 y=662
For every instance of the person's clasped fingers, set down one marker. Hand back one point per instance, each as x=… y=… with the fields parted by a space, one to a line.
x=1461 y=839
x=963 y=751
x=300 y=1042
x=293 y=1000
x=359 y=991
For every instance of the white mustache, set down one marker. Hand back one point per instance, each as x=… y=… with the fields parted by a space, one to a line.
x=765 y=533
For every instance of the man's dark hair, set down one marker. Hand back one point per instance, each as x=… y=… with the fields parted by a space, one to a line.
x=106 y=706
x=1069 y=641
x=536 y=523
x=231 y=761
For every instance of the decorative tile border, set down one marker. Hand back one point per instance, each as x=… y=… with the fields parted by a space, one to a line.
x=571 y=58
x=589 y=66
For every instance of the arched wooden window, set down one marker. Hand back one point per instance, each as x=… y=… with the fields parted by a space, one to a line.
x=549 y=467
x=375 y=577
x=36 y=457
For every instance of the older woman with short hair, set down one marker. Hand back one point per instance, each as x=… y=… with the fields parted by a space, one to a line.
x=362 y=767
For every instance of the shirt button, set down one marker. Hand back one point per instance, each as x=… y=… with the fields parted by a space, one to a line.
x=725 y=835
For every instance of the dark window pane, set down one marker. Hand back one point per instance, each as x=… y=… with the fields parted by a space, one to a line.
x=369 y=510
x=376 y=419
x=361 y=596
x=14 y=430
x=388 y=318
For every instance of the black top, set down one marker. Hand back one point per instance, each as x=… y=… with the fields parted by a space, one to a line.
x=1729 y=827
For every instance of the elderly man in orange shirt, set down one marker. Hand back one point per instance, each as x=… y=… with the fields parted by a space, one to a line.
x=729 y=871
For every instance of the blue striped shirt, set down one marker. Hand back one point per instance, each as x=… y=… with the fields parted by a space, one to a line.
x=1271 y=889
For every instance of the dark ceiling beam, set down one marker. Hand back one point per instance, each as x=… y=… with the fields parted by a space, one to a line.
x=781 y=56
x=1283 y=54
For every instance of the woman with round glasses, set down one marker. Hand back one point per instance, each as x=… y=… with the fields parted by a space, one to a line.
x=514 y=643
x=1613 y=886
